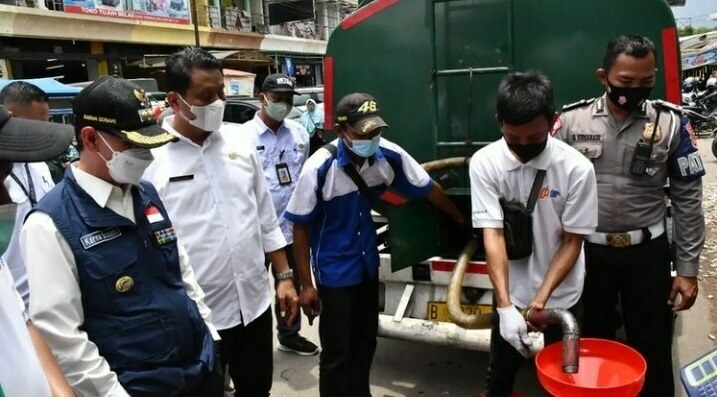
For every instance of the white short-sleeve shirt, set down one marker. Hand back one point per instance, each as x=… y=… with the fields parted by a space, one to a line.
x=567 y=201
x=221 y=209
x=289 y=146
x=39 y=182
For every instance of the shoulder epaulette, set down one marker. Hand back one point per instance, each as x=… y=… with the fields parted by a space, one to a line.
x=580 y=103
x=659 y=103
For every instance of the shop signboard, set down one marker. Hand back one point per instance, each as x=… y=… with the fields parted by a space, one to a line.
x=168 y=11
x=693 y=61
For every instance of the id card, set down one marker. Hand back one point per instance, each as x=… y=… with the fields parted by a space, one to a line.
x=283 y=174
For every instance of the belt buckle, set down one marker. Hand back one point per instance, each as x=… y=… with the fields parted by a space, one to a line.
x=618 y=240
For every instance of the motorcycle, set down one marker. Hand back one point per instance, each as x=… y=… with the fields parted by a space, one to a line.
x=705 y=126
x=701 y=108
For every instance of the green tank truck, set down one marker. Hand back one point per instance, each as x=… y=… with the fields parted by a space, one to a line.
x=435 y=65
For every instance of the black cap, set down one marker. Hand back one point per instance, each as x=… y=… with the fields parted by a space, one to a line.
x=278 y=82
x=361 y=112
x=25 y=140
x=120 y=107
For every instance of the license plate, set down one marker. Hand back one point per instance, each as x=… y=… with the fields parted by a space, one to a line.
x=438 y=311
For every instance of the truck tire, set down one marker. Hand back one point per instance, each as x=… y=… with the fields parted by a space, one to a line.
x=714 y=146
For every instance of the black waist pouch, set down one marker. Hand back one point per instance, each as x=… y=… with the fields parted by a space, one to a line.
x=517 y=229
x=518 y=222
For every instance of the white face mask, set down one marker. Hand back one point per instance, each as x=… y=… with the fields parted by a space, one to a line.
x=277 y=110
x=207 y=118
x=127 y=167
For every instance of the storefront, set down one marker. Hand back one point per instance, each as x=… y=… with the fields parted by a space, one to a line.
x=67 y=61
x=98 y=37
x=307 y=70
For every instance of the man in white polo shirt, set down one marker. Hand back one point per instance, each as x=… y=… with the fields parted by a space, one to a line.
x=508 y=172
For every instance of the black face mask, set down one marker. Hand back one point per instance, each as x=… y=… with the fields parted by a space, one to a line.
x=528 y=152
x=628 y=98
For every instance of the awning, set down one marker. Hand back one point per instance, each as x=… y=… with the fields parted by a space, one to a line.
x=52 y=87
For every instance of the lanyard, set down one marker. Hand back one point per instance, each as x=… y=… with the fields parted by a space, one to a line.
x=30 y=190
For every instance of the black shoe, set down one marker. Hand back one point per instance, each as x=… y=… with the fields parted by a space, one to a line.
x=299 y=345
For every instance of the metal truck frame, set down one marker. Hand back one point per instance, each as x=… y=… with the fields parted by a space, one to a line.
x=434 y=65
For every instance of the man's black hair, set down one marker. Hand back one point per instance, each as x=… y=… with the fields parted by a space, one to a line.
x=522 y=97
x=178 y=72
x=21 y=93
x=634 y=46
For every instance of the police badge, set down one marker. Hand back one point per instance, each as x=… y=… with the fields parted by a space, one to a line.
x=647 y=133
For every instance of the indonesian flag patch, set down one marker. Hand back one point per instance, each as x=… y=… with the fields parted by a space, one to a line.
x=153 y=215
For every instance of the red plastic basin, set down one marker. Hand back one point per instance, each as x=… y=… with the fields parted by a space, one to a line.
x=607 y=369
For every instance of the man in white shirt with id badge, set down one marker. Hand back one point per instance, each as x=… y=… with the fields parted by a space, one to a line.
x=282 y=146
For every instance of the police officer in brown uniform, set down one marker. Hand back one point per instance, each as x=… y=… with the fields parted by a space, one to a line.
x=636 y=147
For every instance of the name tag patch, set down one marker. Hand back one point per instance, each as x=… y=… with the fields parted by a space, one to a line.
x=181 y=178
x=587 y=137
x=165 y=236
x=90 y=240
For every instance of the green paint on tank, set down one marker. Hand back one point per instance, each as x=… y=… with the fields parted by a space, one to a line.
x=435 y=65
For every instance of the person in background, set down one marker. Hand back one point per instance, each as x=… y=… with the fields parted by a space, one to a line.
x=59 y=164
x=111 y=288
x=28 y=182
x=282 y=146
x=27 y=366
x=313 y=121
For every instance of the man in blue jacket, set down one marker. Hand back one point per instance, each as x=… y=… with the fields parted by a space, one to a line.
x=112 y=291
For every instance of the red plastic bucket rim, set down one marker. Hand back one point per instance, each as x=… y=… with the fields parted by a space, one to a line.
x=642 y=370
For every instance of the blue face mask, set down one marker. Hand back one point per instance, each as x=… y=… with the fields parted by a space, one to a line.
x=365 y=147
